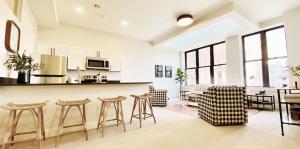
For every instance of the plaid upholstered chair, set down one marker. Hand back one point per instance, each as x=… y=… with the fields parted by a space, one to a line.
x=223 y=105
x=160 y=96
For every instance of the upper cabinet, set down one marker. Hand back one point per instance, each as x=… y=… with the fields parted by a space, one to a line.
x=97 y=53
x=92 y=53
x=76 y=58
x=52 y=49
x=105 y=54
x=44 y=48
x=115 y=61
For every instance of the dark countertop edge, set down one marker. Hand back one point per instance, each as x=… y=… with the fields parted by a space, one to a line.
x=74 y=84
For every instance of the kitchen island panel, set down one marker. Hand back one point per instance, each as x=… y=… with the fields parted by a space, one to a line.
x=51 y=93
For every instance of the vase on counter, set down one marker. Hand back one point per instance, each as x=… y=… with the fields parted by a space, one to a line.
x=23 y=77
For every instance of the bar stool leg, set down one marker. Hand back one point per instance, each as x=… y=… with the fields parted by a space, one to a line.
x=60 y=125
x=14 y=126
x=100 y=115
x=39 y=130
x=140 y=112
x=106 y=106
x=144 y=109
x=8 y=129
x=122 y=115
x=116 y=106
x=133 y=108
x=43 y=125
x=151 y=110
x=84 y=122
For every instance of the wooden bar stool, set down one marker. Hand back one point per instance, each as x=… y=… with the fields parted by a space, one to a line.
x=16 y=111
x=80 y=104
x=142 y=101
x=105 y=104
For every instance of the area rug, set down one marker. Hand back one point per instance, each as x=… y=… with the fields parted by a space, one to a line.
x=180 y=106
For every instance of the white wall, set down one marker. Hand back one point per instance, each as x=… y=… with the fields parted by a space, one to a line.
x=28 y=28
x=139 y=57
x=292 y=27
x=234 y=61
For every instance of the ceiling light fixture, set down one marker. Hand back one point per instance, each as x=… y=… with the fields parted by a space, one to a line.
x=78 y=9
x=185 y=20
x=124 y=23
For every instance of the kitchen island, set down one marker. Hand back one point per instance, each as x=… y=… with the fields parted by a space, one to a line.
x=68 y=84
x=34 y=93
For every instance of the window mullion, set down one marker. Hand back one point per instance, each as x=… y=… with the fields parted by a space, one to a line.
x=197 y=66
x=265 y=67
x=212 y=65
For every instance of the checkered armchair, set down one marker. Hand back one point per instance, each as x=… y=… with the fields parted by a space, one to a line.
x=160 y=96
x=223 y=105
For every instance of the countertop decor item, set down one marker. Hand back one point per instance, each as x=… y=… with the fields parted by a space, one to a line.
x=180 y=78
x=23 y=64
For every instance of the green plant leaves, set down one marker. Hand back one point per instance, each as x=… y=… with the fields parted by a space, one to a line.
x=181 y=77
x=21 y=63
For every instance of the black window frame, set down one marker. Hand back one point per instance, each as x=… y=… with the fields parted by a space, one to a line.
x=212 y=62
x=264 y=56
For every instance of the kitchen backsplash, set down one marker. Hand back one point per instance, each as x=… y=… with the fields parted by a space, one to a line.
x=110 y=75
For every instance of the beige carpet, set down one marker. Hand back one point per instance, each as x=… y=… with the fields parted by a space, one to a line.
x=180 y=131
x=180 y=106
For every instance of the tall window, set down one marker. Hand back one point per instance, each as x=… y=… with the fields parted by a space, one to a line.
x=265 y=58
x=206 y=65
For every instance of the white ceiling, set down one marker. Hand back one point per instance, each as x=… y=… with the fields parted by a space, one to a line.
x=150 y=20
x=263 y=10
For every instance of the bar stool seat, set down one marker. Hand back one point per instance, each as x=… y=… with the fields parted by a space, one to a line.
x=105 y=104
x=80 y=104
x=16 y=110
x=142 y=101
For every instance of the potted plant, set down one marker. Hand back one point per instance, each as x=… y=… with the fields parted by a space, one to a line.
x=296 y=73
x=23 y=64
x=180 y=77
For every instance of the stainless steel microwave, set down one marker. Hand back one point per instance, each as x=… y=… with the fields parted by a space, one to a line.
x=97 y=63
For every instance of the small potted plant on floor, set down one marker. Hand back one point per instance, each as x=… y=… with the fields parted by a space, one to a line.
x=180 y=78
x=23 y=64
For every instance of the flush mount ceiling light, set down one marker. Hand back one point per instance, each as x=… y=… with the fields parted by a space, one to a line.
x=124 y=23
x=78 y=9
x=185 y=20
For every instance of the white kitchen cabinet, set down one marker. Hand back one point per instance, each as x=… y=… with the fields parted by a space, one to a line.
x=115 y=61
x=92 y=53
x=44 y=48
x=58 y=50
x=97 y=53
x=76 y=58
x=105 y=54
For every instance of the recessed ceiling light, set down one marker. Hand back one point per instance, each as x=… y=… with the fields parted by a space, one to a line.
x=124 y=23
x=185 y=20
x=78 y=9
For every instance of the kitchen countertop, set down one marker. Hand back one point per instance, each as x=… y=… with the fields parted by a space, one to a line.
x=52 y=84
